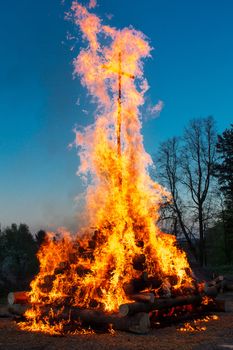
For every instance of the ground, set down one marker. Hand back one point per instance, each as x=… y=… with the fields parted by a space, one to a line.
x=218 y=335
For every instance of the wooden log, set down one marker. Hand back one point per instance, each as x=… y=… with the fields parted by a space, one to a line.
x=139 y=262
x=144 y=297
x=133 y=308
x=154 y=282
x=82 y=271
x=46 y=284
x=136 y=285
x=210 y=291
x=18 y=309
x=220 y=305
x=18 y=298
x=217 y=280
x=139 y=323
x=222 y=285
x=61 y=268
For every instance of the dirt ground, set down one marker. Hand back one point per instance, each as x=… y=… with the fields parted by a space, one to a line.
x=218 y=335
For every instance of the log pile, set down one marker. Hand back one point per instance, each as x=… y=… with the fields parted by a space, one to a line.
x=134 y=316
x=222 y=284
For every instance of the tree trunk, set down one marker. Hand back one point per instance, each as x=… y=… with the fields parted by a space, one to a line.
x=201 y=236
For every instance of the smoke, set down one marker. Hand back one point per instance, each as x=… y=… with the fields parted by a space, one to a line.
x=155 y=110
x=92 y=4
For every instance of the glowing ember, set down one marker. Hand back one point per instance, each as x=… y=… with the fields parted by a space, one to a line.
x=198 y=325
x=93 y=268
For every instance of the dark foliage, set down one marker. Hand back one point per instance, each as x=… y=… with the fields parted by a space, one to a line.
x=224 y=173
x=18 y=261
x=40 y=237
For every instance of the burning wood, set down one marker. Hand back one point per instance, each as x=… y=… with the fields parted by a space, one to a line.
x=144 y=297
x=139 y=323
x=158 y=304
x=21 y=297
x=132 y=317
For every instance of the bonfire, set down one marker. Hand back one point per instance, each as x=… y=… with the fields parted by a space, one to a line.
x=119 y=267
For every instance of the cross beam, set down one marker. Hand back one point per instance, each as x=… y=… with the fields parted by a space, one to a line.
x=120 y=73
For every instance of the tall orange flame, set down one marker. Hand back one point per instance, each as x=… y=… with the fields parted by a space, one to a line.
x=122 y=201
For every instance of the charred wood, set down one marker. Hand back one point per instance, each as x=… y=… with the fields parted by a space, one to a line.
x=18 y=309
x=139 y=323
x=133 y=308
x=154 y=283
x=139 y=262
x=136 y=285
x=144 y=297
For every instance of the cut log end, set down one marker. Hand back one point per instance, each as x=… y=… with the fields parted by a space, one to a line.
x=17 y=298
x=142 y=323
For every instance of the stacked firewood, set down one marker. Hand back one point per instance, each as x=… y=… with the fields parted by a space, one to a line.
x=222 y=283
x=133 y=316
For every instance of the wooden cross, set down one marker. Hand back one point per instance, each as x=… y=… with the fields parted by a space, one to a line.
x=120 y=73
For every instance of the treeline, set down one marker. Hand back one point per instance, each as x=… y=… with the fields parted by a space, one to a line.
x=197 y=169
x=18 y=261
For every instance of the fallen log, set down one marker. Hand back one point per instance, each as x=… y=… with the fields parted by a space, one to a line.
x=18 y=298
x=158 y=304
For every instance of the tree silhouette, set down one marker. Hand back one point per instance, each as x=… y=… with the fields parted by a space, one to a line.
x=224 y=173
x=185 y=167
x=18 y=262
x=40 y=237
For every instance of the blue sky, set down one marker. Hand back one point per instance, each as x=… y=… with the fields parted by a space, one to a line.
x=191 y=71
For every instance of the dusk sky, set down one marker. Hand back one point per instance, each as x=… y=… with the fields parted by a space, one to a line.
x=191 y=71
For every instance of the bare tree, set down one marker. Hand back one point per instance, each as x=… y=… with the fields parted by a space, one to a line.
x=197 y=162
x=168 y=163
x=185 y=167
